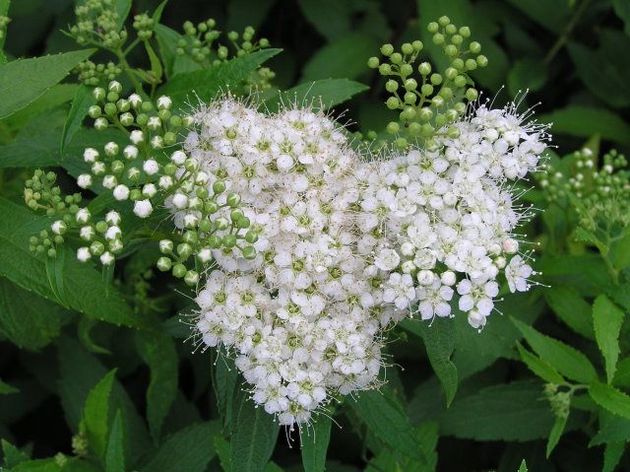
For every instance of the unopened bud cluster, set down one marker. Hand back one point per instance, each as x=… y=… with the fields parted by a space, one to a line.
x=428 y=100
x=599 y=194
x=94 y=75
x=200 y=42
x=97 y=24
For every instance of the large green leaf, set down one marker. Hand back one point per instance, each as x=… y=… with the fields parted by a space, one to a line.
x=24 y=80
x=565 y=359
x=83 y=100
x=607 y=321
x=254 y=433
x=568 y=304
x=97 y=413
x=585 y=121
x=27 y=320
x=115 y=453
x=158 y=352
x=605 y=72
x=321 y=94
x=206 y=84
x=511 y=412
x=614 y=400
x=86 y=292
x=344 y=58
x=314 y=443
x=541 y=368
x=439 y=341
x=387 y=420
x=190 y=450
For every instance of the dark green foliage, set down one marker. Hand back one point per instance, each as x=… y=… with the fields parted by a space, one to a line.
x=97 y=374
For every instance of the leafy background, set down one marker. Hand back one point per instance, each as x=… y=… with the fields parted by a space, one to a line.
x=72 y=357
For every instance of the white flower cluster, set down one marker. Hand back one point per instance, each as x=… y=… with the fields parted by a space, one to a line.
x=346 y=246
x=447 y=213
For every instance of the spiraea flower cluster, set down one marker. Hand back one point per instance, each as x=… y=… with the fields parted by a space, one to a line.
x=447 y=216
x=300 y=317
x=346 y=246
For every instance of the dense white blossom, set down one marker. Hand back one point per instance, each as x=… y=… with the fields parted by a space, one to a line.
x=346 y=246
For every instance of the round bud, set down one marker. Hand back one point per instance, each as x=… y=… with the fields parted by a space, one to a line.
x=251 y=236
x=387 y=49
x=424 y=68
x=229 y=241
x=391 y=86
x=482 y=61
x=438 y=38
x=392 y=103
x=218 y=187
x=249 y=252
x=179 y=270
x=433 y=27
x=471 y=94
x=191 y=278
x=407 y=48
x=385 y=69
x=396 y=58
x=393 y=127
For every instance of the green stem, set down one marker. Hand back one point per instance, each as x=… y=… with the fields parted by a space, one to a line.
x=564 y=37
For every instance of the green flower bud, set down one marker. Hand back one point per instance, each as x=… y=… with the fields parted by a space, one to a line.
x=179 y=270
x=406 y=70
x=444 y=20
x=218 y=187
x=392 y=127
x=101 y=226
x=97 y=248
x=229 y=241
x=426 y=89
x=396 y=58
x=249 y=252
x=94 y=111
x=233 y=200
x=385 y=69
x=184 y=250
x=438 y=38
x=191 y=278
x=411 y=84
x=451 y=50
x=387 y=49
x=214 y=242
x=251 y=236
x=205 y=226
x=433 y=27
x=474 y=47
x=471 y=94
x=392 y=103
x=222 y=223
x=407 y=48
x=424 y=68
x=210 y=207
x=391 y=86
x=373 y=62
x=482 y=61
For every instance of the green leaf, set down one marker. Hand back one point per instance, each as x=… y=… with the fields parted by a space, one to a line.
x=96 y=414
x=207 y=83
x=37 y=144
x=5 y=388
x=612 y=456
x=4 y=9
x=556 y=433
x=607 y=321
x=622 y=9
x=322 y=94
x=583 y=121
x=587 y=273
x=115 y=455
x=612 y=429
x=190 y=450
x=83 y=100
x=522 y=467
x=539 y=367
x=567 y=360
x=550 y=14
x=122 y=8
x=156 y=64
x=224 y=382
x=49 y=102
x=254 y=434
x=315 y=444
x=605 y=72
x=610 y=398
x=79 y=372
x=346 y=57
x=12 y=456
x=35 y=76
x=84 y=288
x=54 y=272
x=567 y=303
x=622 y=375
x=27 y=320
x=526 y=74
x=331 y=18
x=492 y=413
x=158 y=352
x=439 y=341
x=385 y=417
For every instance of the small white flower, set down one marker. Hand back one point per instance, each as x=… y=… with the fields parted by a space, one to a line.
x=130 y=152
x=107 y=258
x=86 y=233
x=165 y=182
x=149 y=190
x=387 y=259
x=83 y=254
x=90 y=155
x=84 y=180
x=154 y=123
x=113 y=232
x=180 y=201
x=58 y=227
x=143 y=208
x=110 y=181
x=121 y=192
x=83 y=216
x=111 y=148
x=136 y=136
x=135 y=100
x=178 y=158
x=164 y=102
x=151 y=167
x=112 y=217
